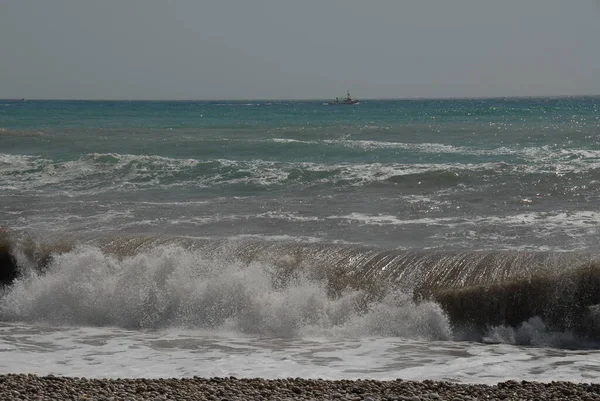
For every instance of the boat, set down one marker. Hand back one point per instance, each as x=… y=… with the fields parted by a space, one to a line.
x=347 y=100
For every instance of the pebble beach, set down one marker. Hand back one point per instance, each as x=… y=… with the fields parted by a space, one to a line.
x=32 y=387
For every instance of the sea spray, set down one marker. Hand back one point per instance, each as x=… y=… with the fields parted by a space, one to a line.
x=294 y=289
x=174 y=287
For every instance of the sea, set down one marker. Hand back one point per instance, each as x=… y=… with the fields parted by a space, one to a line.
x=453 y=239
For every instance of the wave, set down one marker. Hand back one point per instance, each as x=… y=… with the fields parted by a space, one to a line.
x=21 y=133
x=554 y=220
x=540 y=154
x=418 y=147
x=237 y=104
x=174 y=286
x=96 y=173
x=106 y=172
x=298 y=289
x=557 y=171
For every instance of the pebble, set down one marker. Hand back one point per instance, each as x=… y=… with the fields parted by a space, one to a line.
x=32 y=387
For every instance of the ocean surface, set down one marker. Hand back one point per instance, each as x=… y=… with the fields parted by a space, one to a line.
x=413 y=239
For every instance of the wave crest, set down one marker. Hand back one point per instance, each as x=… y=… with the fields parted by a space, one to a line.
x=296 y=289
x=174 y=287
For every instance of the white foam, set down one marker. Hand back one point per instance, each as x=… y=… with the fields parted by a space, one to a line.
x=237 y=104
x=286 y=216
x=101 y=172
x=51 y=222
x=288 y=140
x=14 y=163
x=193 y=314
x=381 y=219
x=219 y=218
x=115 y=353
x=544 y=220
x=421 y=147
x=305 y=239
x=173 y=287
x=90 y=174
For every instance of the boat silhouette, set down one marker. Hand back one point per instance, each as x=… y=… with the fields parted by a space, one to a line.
x=347 y=100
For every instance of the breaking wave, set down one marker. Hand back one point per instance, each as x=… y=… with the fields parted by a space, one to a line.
x=295 y=289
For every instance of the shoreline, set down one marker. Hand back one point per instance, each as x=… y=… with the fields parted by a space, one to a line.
x=34 y=387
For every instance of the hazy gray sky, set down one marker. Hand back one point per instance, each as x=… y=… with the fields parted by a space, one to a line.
x=229 y=49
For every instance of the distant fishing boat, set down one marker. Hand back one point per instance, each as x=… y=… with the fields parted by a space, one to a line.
x=347 y=100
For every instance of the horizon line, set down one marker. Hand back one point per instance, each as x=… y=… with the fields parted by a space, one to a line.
x=296 y=99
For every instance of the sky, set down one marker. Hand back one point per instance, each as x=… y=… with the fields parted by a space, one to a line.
x=309 y=49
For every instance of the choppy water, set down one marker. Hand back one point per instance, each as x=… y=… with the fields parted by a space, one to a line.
x=383 y=236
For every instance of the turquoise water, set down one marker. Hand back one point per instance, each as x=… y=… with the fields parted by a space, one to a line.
x=468 y=174
x=261 y=219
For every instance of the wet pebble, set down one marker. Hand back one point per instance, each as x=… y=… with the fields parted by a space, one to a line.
x=32 y=387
